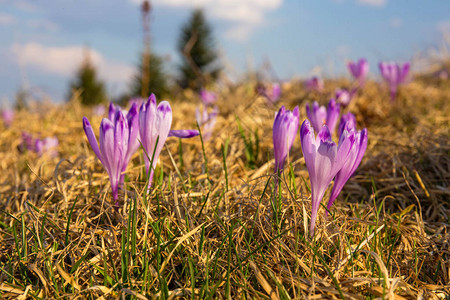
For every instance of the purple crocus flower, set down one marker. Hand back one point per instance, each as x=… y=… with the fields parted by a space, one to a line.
x=112 y=153
x=8 y=116
x=359 y=70
x=272 y=94
x=27 y=142
x=333 y=111
x=347 y=120
x=285 y=128
x=344 y=96
x=132 y=117
x=206 y=120
x=47 y=145
x=314 y=84
x=356 y=155
x=208 y=97
x=323 y=160
x=394 y=75
x=319 y=115
x=154 y=127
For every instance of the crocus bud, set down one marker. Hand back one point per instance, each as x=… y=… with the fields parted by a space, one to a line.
x=285 y=128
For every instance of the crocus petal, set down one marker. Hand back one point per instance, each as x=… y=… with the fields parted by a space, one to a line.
x=107 y=145
x=163 y=122
x=285 y=128
x=8 y=116
x=359 y=70
x=208 y=97
x=276 y=92
x=404 y=72
x=333 y=111
x=133 y=126
x=317 y=115
x=147 y=116
x=92 y=139
x=348 y=120
x=184 y=134
x=112 y=112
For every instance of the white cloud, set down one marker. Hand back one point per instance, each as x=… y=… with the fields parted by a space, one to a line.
x=245 y=15
x=64 y=61
x=378 y=3
x=6 y=19
x=42 y=24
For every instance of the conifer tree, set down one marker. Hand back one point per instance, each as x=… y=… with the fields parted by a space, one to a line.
x=93 y=90
x=157 y=79
x=196 y=46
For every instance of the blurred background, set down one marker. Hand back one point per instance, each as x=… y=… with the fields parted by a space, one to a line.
x=51 y=48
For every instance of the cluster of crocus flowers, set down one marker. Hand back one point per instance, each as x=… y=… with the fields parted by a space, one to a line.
x=206 y=120
x=314 y=84
x=324 y=159
x=8 y=116
x=359 y=70
x=319 y=115
x=121 y=135
x=208 y=97
x=285 y=128
x=394 y=75
x=48 y=145
x=272 y=93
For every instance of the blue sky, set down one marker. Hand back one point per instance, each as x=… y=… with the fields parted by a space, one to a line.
x=43 y=40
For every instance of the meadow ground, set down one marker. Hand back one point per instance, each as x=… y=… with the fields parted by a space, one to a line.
x=212 y=227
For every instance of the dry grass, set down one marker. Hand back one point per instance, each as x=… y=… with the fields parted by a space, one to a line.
x=208 y=230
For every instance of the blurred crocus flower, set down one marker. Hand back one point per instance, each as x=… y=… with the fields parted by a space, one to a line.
x=348 y=121
x=272 y=94
x=207 y=120
x=114 y=143
x=333 y=111
x=324 y=159
x=359 y=70
x=8 y=116
x=154 y=128
x=43 y=146
x=99 y=110
x=394 y=75
x=285 y=128
x=208 y=97
x=47 y=145
x=344 y=96
x=314 y=84
x=319 y=115
x=356 y=154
